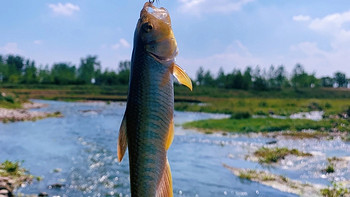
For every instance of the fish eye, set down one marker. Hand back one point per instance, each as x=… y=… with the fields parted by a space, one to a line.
x=147 y=27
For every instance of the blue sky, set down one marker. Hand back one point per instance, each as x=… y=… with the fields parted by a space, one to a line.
x=213 y=34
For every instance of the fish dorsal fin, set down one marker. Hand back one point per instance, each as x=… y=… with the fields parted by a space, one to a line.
x=165 y=186
x=170 y=135
x=122 y=139
x=181 y=76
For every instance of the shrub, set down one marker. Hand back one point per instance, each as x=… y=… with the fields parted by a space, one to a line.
x=240 y=115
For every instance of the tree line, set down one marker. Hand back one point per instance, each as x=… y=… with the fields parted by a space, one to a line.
x=18 y=70
x=273 y=78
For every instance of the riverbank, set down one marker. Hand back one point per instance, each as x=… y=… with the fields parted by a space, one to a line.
x=24 y=113
x=13 y=176
x=279 y=182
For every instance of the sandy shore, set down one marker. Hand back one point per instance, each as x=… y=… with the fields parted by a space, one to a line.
x=279 y=182
x=23 y=114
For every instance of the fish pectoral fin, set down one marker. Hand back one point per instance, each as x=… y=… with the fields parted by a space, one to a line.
x=122 y=139
x=165 y=187
x=170 y=138
x=181 y=76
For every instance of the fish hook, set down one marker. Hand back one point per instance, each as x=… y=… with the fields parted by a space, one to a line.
x=151 y=1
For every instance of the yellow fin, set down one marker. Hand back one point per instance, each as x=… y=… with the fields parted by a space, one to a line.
x=181 y=76
x=170 y=135
x=165 y=186
x=122 y=140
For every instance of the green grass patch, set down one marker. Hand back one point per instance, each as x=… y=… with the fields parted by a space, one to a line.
x=273 y=155
x=266 y=125
x=265 y=106
x=12 y=169
x=304 y=135
x=336 y=190
x=9 y=101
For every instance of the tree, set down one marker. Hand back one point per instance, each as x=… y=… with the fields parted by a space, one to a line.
x=259 y=81
x=15 y=66
x=63 y=73
x=327 y=82
x=200 y=76
x=124 y=72
x=247 y=78
x=87 y=69
x=221 y=78
x=280 y=77
x=30 y=73
x=340 y=79
x=44 y=75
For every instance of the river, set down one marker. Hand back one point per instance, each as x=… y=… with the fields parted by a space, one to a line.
x=79 y=152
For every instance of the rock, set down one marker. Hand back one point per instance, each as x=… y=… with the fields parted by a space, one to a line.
x=42 y=194
x=5 y=193
x=272 y=142
x=56 y=186
x=6 y=186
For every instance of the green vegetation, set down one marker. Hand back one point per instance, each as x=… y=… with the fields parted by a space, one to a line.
x=329 y=169
x=13 y=170
x=337 y=190
x=331 y=165
x=18 y=70
x=266 y=106
x=267 y=125
x=304 y=135
x=273 y=155
x=9 y=101
x=255 y=175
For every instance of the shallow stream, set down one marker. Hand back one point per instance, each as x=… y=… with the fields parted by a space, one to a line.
x=79 y=152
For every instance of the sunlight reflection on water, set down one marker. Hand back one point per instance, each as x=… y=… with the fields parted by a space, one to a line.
x=83 y=145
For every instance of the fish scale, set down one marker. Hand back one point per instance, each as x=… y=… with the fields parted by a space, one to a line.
x=153 y=123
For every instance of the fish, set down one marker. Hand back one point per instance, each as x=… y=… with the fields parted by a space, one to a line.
x=147 y=128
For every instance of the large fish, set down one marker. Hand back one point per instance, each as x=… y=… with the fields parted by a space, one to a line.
x=147 y=129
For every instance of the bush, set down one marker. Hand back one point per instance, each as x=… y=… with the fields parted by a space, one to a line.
x=240 y=115
x=9 y=99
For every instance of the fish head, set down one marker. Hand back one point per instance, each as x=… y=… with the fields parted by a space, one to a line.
x=156 y=34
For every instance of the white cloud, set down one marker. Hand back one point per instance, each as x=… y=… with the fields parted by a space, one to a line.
x=323 y=62
x=301 y=18
x=10 y=48
x=64 y=9
x=336 y=35
x=197 y=7
x=121 y=44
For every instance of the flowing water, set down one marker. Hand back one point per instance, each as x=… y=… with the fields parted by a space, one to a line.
x=78 y=151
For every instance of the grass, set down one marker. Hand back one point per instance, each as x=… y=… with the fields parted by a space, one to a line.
x=219 y=100
x=331 y=163
x=9 y=101
x=337 y=190
x=13 y=170
x=267 y=125
x=329 y=169
x=266 y=106
x=255 y=175
x=273 y=155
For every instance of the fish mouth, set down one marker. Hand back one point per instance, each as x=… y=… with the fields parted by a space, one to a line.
x=159 y=13
x=164 y=59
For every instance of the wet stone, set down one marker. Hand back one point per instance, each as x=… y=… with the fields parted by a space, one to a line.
x=56 y=186
x=43 y=194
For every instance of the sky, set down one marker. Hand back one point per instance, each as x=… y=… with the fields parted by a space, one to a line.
x=231 y=34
